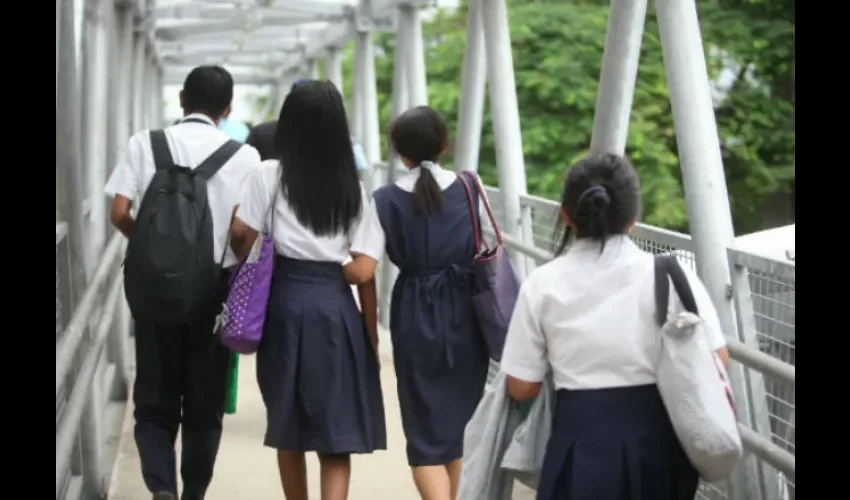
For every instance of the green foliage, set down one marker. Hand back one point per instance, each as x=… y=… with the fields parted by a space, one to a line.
x=557 y=53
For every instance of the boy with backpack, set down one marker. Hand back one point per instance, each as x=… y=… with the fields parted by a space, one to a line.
x=183 y=182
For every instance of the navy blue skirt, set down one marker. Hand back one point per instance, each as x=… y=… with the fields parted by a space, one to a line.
x=317 y=371
x=614 y=444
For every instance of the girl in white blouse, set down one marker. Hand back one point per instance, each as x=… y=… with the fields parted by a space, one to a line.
x=317 y=364
x=589 y=317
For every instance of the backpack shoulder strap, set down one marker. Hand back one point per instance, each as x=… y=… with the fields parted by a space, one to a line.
x=209 y=167
x=667 y=266
x=161 y=152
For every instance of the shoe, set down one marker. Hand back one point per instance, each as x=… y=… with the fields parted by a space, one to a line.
x=164 y=495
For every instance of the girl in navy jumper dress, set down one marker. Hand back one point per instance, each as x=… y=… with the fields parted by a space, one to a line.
x=589 y=317
x=423 y=224
x=317 y=364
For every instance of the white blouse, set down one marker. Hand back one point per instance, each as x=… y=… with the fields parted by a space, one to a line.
x=291 y=238
x=590 y=317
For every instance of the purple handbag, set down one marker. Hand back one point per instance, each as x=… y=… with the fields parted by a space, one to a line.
x=240 y=323
x=496 y=283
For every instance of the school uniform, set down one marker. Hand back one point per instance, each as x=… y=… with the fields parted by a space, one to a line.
x=589 y=318
x=439 y=355
x=181 y=367
x=316 y=368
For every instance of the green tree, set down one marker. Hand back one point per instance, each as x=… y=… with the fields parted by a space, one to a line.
x=557 y=51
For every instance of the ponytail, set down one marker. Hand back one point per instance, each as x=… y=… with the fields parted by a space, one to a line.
x=590 y=219
x=427 y=195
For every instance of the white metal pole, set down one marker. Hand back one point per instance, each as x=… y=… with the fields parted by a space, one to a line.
x=312 y=69
x=619 y=72
x=138 y=87
x=473 y=86
x=96 y=45
x=333 y=67
x=505 y=112
x=124 y=101
x=411 y=27
x=357 y=103
x=371 y=132
x=400 y=101
x=704 y=181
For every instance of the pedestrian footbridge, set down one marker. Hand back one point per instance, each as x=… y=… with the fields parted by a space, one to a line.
x=113 y=58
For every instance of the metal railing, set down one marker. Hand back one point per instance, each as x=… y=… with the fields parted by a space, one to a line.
x=763 y=297
x=88 y=380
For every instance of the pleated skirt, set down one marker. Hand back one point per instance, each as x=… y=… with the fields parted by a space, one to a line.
x=316 y=369
x=614 y=444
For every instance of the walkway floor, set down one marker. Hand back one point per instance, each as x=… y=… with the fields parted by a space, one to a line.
x=245 y=470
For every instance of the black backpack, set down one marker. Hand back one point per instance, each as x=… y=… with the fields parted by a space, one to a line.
x=170 y=272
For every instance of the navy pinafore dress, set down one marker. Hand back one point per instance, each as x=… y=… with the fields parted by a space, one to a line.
x=316 y=369
x=439 y=355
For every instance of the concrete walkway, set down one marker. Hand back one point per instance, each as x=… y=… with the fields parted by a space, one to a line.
x=246 y=470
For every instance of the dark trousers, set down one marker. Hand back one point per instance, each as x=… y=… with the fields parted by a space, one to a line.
x=181 y=378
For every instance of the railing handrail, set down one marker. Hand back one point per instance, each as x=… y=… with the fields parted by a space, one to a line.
x=66 y=350
x=66 y=431
x=781 y=268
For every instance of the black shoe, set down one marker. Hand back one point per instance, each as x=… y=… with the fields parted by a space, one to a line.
x=164 y=495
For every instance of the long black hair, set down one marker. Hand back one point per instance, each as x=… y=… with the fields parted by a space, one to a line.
x=420 y=135
x=601 y=196
x=319 y=177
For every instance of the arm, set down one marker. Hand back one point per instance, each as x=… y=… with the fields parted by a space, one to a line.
x=120 y=215
x=123 y=187
x=242 y=236
x=367 y=248
x=360 y=270
x=369 y=305
x=250 y=212
x=524 y=357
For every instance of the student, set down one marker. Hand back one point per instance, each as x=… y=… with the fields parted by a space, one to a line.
x=423 y=223
x=180 y=366
x=262 y=138
x=317 y=365
x=237 y=130
x=589 y=317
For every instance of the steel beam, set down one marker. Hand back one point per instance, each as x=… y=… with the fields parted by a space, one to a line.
x=269 y=59
x=225 y=9
x=184 y=29
x=175 y=75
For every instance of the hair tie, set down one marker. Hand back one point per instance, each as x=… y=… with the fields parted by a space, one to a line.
x=589 y=192
x=427 y=165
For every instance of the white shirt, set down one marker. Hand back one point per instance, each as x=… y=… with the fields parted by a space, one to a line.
x=292 y=239
x=371 y=239
x=591 y=318
x=190 y=144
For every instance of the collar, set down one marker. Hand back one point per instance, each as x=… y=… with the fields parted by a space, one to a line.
x=587 y=250
x=198 y=116
x=414 y=172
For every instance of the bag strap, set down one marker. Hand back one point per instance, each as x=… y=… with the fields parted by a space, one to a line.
x=476 y=224
x=161 y=152
x=208 y=168
x=667 y=266
x=473 y=178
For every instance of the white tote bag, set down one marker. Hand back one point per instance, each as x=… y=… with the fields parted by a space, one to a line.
x=693 y=383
